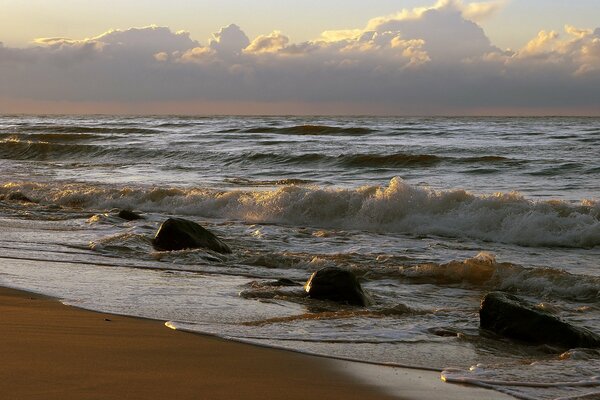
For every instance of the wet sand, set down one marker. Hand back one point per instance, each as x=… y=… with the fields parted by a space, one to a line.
x=52 y=351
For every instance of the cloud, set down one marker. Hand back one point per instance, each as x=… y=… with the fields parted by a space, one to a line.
x=577 y=52
x=448 y=35
x=338 y=35
x=271 y=43
x=475 y=11
x=229 y=41
x=422 y=61
x=481 y=11
x=198 y=55
x=150 y=39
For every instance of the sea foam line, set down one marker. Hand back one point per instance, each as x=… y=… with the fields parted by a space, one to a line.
x=397 y=208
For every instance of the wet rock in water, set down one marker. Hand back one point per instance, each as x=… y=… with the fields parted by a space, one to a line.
x=180 y=234
x=18 y=196
x=129 y=215
x=513 y=317
x=336 y=284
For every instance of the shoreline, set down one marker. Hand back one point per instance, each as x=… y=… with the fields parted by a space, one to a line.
x=54 y=351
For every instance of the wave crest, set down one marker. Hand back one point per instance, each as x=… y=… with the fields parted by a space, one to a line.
x=310 y=130
x=484 y=271
x=398 y=208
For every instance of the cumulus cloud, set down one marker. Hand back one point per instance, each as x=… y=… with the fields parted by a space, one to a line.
x=271 y=43
x=576 y=52
x=481 y=11
x=447 y=33
x=229 y=41
x=421 y=61
x=150 y=39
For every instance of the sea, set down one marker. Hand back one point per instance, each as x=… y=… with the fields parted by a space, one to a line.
x=429 y=213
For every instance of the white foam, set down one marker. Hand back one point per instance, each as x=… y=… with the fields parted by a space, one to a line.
x=397 y=208
x=540 y=381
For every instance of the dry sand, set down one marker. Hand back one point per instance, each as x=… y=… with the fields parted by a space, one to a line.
x=52 y=351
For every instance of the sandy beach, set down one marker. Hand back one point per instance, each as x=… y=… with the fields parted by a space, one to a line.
x=53 y=351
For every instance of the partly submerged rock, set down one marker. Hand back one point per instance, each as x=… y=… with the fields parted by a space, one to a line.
x=179 y=234
x=336 y=284
x=129 y=215
x=513 y=317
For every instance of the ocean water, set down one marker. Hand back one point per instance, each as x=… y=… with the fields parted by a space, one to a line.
x=430 y=213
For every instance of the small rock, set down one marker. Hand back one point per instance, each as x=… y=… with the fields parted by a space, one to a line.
x=336 y=284
x=180 y=234
x=129 y=215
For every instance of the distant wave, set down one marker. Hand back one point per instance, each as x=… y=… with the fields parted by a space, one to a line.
x=83 y=129
x=14 y=149
x=48 y=137
x=308 y=130
x=389 y=160
x=278 y=182
x=399 y=208
x=558 y=169
x=358 y=160
x=487 y=159
x=48 y=147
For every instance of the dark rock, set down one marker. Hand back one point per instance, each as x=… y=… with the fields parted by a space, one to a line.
x=18 y=196
x=336 y=284
x=129 y=215
x=179 y=234
x=513 y=317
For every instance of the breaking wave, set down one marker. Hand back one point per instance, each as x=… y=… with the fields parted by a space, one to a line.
x=396 y=208
x=484 y=271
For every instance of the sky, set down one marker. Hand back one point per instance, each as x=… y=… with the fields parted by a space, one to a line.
x=413 y=57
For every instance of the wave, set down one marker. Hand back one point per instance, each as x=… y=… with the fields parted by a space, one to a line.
x=488 y=159
x=48 y=137
x=307 y=130
x=278 y=182
x=83 y=129
x=396 y=208
x=44 y=147
x=484 y=271
x=562 y=378
x=15 y=149
x=390 y=160
x=370 y=160
x=558 y=169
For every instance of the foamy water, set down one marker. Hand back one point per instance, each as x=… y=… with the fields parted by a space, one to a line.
x=430 y=213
